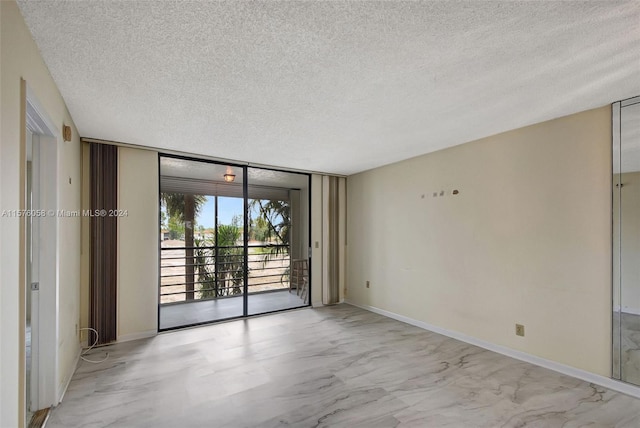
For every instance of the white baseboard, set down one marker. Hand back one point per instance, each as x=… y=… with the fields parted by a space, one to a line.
x=135 y=336
x=317 y=304
x=62 y=389
x=603 y=381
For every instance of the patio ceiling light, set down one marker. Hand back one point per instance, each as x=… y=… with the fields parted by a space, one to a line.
x=229 y=178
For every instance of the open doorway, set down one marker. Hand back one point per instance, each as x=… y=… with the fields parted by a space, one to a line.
x=41 y=272
x=230 y=238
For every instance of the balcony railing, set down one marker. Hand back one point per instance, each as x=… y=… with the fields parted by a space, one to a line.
x=213 y=272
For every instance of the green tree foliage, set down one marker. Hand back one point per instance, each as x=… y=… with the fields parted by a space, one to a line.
x=183 y=209
x=226 y=277
x=259 y=229
x=220 y=265
x=274 y=220
x=176 y=229
x=174 y=203
x=272 y=224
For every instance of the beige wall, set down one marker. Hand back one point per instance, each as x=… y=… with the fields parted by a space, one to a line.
x=69 y=184
x=19 y=58
x=527 y=240
x=627 y=293
x=137 y=243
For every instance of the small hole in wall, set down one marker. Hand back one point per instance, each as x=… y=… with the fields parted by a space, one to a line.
x=455 y=192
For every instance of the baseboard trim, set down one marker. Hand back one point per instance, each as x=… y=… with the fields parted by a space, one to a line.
x=65 y=385
x=136 y=336
x=603 y=381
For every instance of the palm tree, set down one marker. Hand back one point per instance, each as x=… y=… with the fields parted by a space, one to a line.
x=231 y=273
x=185 y=207
x=227 y=277
x=277 y=216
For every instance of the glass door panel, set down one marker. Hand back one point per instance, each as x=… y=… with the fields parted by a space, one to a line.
x=202 y=256
x=626 y=241
x=234 y=241
x=278 y=276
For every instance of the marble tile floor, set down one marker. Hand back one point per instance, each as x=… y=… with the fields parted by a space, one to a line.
x=626 y=359
x=336 y=366
x=27 y=367
x=182 y=314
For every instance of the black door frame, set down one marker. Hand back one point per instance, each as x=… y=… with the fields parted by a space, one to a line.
x=245 y=194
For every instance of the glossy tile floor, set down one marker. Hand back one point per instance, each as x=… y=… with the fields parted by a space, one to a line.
x=181 y=314
x=337 y=366
x=27 y=367
x=626 y=360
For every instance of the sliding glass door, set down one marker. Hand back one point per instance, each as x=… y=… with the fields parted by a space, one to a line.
x=202 y=251
x=279 y=242
x=230 y=239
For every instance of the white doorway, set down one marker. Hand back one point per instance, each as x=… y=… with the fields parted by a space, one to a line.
x=41 y=288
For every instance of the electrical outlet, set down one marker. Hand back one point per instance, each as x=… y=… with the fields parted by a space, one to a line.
x=519 y=330
x=368 y=284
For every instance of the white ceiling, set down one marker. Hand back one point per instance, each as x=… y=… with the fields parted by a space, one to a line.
x=338 y=86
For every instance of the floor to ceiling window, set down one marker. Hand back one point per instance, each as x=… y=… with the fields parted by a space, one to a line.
x=233 y=241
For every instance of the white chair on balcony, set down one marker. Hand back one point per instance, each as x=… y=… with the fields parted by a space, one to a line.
x=300 y=278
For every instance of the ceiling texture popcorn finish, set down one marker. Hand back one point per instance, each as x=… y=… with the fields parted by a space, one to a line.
x=337 y=87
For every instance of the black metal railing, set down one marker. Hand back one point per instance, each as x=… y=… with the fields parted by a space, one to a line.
x=212 y=272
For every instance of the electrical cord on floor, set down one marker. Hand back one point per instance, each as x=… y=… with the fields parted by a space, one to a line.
x=86 y=351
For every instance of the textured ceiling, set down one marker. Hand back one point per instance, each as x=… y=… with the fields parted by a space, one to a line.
x=337 y=86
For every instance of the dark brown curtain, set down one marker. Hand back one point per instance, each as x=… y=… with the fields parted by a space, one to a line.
x=104 y=239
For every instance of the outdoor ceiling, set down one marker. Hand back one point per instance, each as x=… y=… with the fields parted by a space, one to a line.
x=337 y=87
x=629 y=141
x=206 y=171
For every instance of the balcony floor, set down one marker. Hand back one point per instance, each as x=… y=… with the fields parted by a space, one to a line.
x=201 y=311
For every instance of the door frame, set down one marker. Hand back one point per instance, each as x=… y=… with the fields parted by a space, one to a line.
x=245 y=167
x=45 y=143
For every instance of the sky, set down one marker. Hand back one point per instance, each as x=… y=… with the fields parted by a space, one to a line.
x=227 y=208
